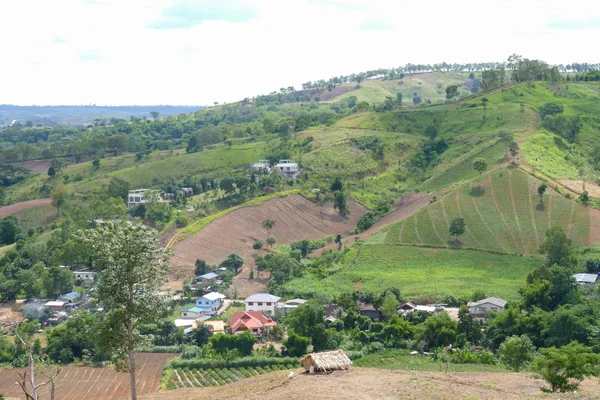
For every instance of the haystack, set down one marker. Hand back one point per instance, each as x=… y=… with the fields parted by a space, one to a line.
x=327 y=361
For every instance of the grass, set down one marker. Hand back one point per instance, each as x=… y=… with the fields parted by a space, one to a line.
x=503 y=215
x=419 y=272
x=37 y=216
x=402 y=360
x=226 y=316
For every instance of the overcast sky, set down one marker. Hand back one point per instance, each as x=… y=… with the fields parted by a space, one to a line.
x=195 y=52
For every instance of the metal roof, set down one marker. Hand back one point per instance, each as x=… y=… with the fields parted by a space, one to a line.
x=263 y=297
x=210 y=275
x=585 y=278
x=213 y=296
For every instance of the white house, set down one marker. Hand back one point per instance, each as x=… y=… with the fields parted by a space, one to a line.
x=187 y=191
x=83 y=275
x=210 y=303
x=479 y=309
x=287 y=169
x=291 y=304
x=142 y=196
x=263 y=302
x=262 y=167
x=192 y=313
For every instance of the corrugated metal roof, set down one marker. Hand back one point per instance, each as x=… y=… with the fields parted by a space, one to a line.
x=585 y=278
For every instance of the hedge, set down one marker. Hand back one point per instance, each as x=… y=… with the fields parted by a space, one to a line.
x=211 y=363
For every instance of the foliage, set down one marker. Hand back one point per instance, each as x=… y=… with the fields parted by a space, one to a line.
x=516 y=352
x=457 y=227
x=390 y=305
x=233 y=261
x=558 y=248
x=564 y=368
x=296 y=345
x=439 y=330
x=366 y=221
x=223 y=343
x=308 y=321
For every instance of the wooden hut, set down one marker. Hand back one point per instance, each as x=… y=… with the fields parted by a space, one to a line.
x=326 y=362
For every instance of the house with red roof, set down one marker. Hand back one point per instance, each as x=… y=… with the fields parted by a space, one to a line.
x=253 y=321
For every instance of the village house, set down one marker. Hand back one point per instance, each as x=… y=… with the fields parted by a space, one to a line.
x=206 y=279
x=210 y=302
x=142 y=196
x=263 y=302
x=585 y=278
x=83 y=275
x=329 y=312
x=70 y=297
x=254 y=322
x=187 y=191
x=368 y=310
x=215 y=326
x=480 y=309
x=261 y=167
x=287 y=169
x=55 y=305
x=192 y=313
x=290 y=305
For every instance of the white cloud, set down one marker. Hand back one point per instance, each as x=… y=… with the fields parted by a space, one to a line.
x=110 y=52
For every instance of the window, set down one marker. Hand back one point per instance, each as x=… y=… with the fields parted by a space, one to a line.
x=268 y=304
x=250 y=303
x=185 y=314
x=259 y=304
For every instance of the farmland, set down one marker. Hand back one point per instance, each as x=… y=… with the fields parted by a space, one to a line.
x=296 y=218
x=503 y=214
x=95 y=383
x=179 y=378
x=421 y=272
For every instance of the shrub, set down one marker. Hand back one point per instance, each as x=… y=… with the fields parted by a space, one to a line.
x=212 y=363
x=258 y=244
x=366 y=221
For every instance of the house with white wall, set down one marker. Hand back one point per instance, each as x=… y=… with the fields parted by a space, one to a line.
x=83 y=275
x=263 y=302
x=142 y=196
x=210 y=303
x=287 y=169
x=480 y=309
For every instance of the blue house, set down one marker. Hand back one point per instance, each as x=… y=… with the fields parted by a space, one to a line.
x=209 y=303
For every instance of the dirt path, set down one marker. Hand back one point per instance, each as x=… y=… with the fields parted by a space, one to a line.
x=370 y=383
x=15 y=208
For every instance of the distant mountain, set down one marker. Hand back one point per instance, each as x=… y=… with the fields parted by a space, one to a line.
x=82 y=115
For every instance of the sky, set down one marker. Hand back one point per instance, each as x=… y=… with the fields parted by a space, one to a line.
x=196 y=52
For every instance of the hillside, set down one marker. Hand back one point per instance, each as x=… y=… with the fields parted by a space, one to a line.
x=361 y=383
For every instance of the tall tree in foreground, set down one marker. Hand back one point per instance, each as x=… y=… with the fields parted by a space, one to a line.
x=134 y=268
x=457 y=228
x=59 y=194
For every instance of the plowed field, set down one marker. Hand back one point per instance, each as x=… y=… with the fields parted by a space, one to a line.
x=296 y=218
x=95 y=383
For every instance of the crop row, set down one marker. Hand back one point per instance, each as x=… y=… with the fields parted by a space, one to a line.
x=178 y=378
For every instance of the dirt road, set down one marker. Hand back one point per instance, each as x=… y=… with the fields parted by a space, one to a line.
x=15 y=208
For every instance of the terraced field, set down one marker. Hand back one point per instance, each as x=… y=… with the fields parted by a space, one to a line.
x=503 y=214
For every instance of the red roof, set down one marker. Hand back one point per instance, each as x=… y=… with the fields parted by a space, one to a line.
x=250 y=320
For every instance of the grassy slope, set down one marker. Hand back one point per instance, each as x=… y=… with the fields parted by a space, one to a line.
x=421 y=272
x=503 y=217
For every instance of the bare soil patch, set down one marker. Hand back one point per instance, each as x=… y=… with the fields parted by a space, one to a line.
x=296 y=218
x=369 y=383
x=15 y=208
x=95 y=383
x=38 y=166
x=577 y=187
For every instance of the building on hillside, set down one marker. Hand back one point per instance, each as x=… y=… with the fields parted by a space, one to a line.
x=290 y=305
x=210 y=303
x=480 y=309
x=261 y=167
x=83 y=275
x=142 y=196
x=326 y=362
x=187 y=191
x=406 y=308
x=206 y=279
x=287 y=169
x=263 y=302
x=329 y=313
x=215 y=326
x=193 y=313
x=69 y=298
x=56 y=305
x=368 y=310
x=585 y=278
x=254 y=322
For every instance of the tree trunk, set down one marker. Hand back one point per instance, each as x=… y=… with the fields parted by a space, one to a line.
x=32 y=374
x=131 y=355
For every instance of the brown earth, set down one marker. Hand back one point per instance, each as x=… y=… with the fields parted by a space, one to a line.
x=15 y=208
x=95 y=383
x=296 y=218
x=577 y=187
x=38 y=166
x=369 y=383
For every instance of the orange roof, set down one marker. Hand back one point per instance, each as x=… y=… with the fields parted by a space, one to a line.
x=250 y=320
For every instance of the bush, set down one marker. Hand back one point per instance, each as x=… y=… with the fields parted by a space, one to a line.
x=246 y=362
x=182 y=220
x=258 y=244
x=366 y=221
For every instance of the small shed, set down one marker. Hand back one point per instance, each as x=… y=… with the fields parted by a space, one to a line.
x=326 y=362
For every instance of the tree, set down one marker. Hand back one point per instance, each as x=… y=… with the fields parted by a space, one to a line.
x=439 y=330
x=516 y=352
x=566 y=367
x=480 y=165
x=484 y=101
x=233 y=261
x=451 y=91
x=514 y=150
x=9 y=230
x=558 y=248
x=96 y=163
x=295 y=345
x=339 y=203
x=478 y=295
x=268 y=224
x=258 y=244
x=201 y=267
x=59 y=194
x=457 y=228
x=337 y=184
x=584 y=197
x=431 y=132
x=389 y=307
x=507 y=136
x=271 y=240
x=118 y=188
x=201 y=335
x=134 y=269
x=541 y=190
x=154 y=114
x=308 y=321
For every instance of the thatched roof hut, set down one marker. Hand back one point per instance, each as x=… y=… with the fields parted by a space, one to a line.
x=326 y=361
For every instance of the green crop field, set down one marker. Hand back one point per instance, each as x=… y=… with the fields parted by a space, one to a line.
x=503 y=215
x=419 y=272
x=179 y=378
x=402 y=360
